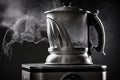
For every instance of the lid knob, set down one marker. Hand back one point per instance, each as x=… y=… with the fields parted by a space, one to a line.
x=68 y=4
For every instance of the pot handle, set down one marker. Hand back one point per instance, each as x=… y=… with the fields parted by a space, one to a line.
x=95 y=21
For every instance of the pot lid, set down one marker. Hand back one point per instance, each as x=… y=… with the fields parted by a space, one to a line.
x=65 y=8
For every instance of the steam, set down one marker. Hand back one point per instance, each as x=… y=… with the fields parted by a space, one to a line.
x=25 y=21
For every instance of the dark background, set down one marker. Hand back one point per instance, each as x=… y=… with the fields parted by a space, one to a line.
x=31 y=53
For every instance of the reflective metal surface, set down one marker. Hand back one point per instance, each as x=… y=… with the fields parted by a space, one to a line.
x=68 y=35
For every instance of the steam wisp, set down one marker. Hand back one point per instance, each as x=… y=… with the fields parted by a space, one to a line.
x=25 y=22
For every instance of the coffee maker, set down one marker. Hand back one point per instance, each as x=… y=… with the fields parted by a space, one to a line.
x=70 y=47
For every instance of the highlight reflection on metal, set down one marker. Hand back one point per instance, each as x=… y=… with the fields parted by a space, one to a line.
x=68 y=35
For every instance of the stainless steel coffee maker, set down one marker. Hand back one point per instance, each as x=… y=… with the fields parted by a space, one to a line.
x=68 y=34
x=70 y=47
